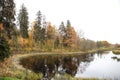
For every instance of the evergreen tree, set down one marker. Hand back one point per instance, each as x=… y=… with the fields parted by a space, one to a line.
x=37 y=32
x=68 y=23
x=43 y=34
x=40 y=28
x=62 y=29
x=37 y=27
x=62 y=33
x=39 y=18
x=23 y=21
x=4 y=48
x=7 y=13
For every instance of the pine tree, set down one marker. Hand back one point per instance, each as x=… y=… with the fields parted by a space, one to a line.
x=23 y=21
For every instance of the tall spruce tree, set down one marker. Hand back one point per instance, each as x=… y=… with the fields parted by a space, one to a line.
x=23 y=21
x=62 y=33
x=7 y=13
x=37 y=27
x=62 y=29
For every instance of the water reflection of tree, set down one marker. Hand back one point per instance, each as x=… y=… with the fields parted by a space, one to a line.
x=84 y=62
x=100 y=54
x=50 y=65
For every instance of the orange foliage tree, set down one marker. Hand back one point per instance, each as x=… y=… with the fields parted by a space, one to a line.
x=70 y=37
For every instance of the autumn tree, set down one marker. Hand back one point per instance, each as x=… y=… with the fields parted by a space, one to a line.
x=106 y=44
x=70 y=36
x=51 y=35
x=103 y=44
x=23 y=21
x=7 y=13
x=50 y=32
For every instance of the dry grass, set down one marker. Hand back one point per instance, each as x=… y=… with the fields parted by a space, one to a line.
x=5 y=67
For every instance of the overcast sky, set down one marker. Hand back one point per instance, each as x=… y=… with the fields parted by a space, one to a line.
x=98 y=19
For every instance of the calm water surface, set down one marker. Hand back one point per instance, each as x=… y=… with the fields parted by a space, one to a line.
x=105 y=65
x=97 y=65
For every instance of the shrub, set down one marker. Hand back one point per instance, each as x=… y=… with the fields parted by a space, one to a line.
x=4 y=48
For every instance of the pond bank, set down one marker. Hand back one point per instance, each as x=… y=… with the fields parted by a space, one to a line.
x=19 y=56
x=18 y=71
x=116 y=51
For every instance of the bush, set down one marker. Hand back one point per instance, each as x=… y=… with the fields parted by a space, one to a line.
x=4 y=48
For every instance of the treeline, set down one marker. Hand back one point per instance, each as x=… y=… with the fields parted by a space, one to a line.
x=43 y=36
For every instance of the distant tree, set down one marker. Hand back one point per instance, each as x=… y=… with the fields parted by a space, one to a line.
x=43 y=35
x=99 y=44
x=62 y=33
x=44 y=23
x=68 y=23
x=57 y=42
x=50 y=32
x=62 y=29
x=14 y=36
x=37 y=27
x=103 y=44
x=23 y=21
x=106 y=44
x=44 y=30
x=39 y=18
x=70 y=37
x=51 y=36
x=37 y=33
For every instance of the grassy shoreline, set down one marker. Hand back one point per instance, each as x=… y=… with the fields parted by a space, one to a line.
x=17 y=71
x=116 y=51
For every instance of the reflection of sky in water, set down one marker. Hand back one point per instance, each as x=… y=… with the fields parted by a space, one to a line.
x=103 y=66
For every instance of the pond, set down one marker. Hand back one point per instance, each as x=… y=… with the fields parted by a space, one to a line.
x=95 y=65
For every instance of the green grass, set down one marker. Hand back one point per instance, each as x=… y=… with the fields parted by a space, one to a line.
x=8 y=78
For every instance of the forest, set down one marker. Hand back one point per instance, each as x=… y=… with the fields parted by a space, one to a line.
x=18 y=37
